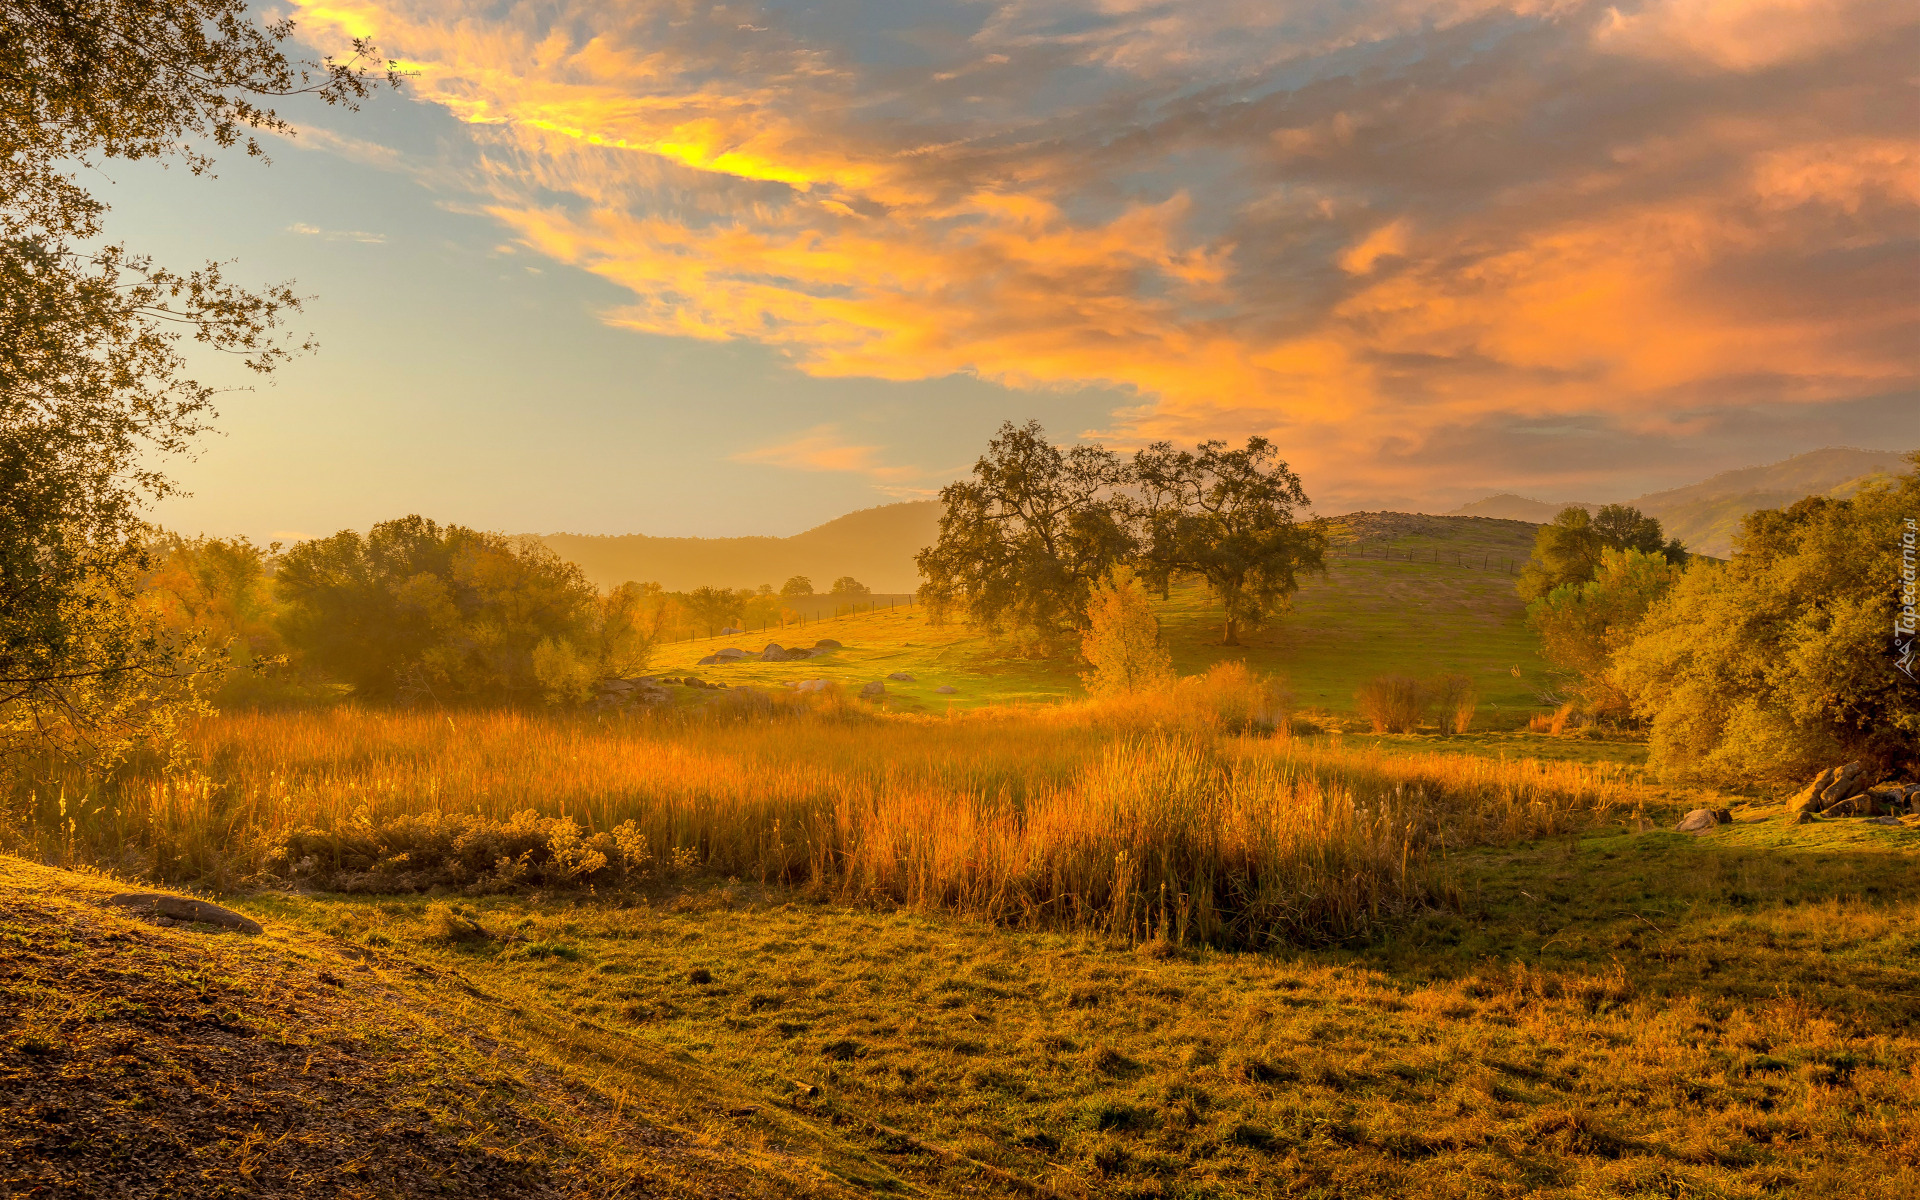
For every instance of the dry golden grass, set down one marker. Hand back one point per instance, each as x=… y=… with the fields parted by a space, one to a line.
x=1149 y=817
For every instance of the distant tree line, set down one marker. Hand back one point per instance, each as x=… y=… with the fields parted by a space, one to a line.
x=417 y=612
x=1026 y=541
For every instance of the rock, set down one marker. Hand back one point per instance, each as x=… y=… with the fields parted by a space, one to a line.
x=1891 y=799
x=826 y=644
x=1853 y=806
x=873 y=691
x=946 y=689
x=731 y=652
x=1800 y=817
x=1830 y=787
x=1851 y=780
x=614 y=686
x=901 y=677
x=180 y=908
x=773 y=648
x=811 y=685
x=710 y=660
x=729 y=631
x=1702 y=819
x=1883 y=820
x=796 y=653
x=776 y=654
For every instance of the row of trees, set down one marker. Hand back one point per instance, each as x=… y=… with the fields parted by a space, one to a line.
x=1767 y=667
x=845 y=588
x=1025 y=542
x=417 y=611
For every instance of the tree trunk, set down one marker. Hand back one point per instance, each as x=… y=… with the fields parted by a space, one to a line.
x=1231 y=640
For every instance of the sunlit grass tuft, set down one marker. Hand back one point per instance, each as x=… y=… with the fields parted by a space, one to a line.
x=1156 y=817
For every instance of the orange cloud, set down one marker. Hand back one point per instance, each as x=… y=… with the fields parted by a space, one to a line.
x=1205 y=230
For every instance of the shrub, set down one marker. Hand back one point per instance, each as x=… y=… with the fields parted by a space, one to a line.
x=1456 y=699
x=417 y=851
x=1583 y=625
x=1122 y=641
x=1392 y=704
x=1229 y=698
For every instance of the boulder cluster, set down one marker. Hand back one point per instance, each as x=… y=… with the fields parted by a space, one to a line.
x=774 y=652
x=1852 y=791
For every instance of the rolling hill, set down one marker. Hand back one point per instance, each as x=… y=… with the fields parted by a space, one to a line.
x=874 y=545
x=1705 y=515
x=877 y=545
x=1403 y=594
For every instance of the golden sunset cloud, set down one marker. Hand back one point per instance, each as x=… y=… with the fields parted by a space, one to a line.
x=1363 y=231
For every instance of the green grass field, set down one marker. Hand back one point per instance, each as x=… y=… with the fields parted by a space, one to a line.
x=1403 y=612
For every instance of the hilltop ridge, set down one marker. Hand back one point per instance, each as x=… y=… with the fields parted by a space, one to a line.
x=1706 y=515
x=874 y=545
x=877 y=545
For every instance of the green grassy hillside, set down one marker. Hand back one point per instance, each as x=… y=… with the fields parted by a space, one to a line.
x=1407 y=594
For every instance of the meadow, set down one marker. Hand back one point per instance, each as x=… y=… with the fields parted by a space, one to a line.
x=1191 y=816
x=1212 y=941
x=1394 y=600
x=1165 y=947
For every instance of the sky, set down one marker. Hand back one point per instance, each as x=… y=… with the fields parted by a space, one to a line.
x=672 y=268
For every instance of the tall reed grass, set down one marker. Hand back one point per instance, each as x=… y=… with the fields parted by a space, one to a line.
x=1087 y=816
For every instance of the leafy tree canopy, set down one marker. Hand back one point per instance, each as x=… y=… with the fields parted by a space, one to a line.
x=413 y=611
x=1780 y=662
x=798 y=586
x=1583 y=625
x=93 y=389
x=1025 y=539
x=1568 y=550
x=1228 y=517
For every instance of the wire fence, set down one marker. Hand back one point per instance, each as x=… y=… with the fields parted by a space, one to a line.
x=1465 y=559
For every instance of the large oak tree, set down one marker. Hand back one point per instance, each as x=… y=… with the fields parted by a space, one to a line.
x=1023 y=542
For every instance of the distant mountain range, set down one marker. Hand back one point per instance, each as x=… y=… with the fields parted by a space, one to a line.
x=874 y=545
x=877 y=545
x=1706 y=515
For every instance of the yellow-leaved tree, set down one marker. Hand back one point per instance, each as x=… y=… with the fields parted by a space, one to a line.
x=1122 y=642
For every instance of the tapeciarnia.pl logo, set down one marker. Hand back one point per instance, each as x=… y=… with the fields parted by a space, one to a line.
x=1903 y=618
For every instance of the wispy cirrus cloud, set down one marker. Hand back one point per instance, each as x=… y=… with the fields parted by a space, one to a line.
x=824 y=448
x=336 y=235
x=1380 y=233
